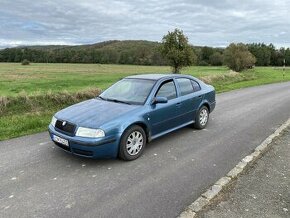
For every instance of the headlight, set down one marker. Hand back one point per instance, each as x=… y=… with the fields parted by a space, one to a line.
x=53 y=121
x=90 y=133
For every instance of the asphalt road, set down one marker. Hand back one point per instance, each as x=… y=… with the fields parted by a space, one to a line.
x=249 y=197
x=39 y=179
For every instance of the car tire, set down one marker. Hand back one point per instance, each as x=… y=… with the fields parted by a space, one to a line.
x=132 y=144
x=201 y=118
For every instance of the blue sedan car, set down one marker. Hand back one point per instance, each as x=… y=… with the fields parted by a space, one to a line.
x=131 y=113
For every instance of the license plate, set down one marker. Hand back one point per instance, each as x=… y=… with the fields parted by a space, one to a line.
x=60 y=140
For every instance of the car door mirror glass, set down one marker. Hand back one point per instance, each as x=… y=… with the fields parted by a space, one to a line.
x=160 y=100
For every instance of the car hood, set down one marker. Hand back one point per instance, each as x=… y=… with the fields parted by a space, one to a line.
x=93 y=113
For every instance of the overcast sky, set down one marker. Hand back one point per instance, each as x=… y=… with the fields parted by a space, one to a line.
x=205 y=22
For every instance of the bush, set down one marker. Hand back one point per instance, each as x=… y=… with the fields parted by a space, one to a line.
x=203 y=63
x=237 y=57
x=25 y=62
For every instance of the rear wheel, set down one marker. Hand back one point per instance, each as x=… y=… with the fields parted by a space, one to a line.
x=132 y=143
x=202 y=117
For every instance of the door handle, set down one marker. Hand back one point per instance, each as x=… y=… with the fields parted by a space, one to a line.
x=199 y=96
x=178 y=104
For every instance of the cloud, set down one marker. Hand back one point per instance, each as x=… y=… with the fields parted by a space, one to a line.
x=205 y=22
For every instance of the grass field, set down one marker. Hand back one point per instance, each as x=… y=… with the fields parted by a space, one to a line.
x=41 y=78
x=29 y=95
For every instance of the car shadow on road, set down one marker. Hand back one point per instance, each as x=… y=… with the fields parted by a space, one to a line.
x=160 y=146
x=178 y=135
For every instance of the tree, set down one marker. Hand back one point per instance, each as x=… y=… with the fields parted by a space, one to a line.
x=176 y=50
x=216 y=59
x=206 y=52
x=261 y=52
x=287 y=56
x=237 y=57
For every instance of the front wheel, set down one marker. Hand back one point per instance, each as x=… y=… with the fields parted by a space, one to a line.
x=132 y=143
x=201 y=118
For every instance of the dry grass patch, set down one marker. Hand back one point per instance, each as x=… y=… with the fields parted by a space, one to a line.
x=24 y=103
x=218 y=77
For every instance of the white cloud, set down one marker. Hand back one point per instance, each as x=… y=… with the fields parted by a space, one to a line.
x=205 y=22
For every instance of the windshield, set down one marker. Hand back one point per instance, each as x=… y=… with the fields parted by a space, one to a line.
x=130 y=91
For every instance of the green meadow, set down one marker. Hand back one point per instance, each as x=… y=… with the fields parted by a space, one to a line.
x=30 y=95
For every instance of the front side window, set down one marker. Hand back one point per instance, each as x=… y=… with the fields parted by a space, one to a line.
x=185 y=86
x=133 y=91
x=167 y=90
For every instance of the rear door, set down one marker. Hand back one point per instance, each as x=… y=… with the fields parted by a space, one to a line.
x=190 y=99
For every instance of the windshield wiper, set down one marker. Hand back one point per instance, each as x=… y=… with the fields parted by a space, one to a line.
x=117 y=101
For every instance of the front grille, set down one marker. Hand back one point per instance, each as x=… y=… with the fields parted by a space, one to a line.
x=65 y=127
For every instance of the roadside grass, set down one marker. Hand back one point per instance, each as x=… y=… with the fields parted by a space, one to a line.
x=253 y=77
x=30 y=95
x=26 y=114
x=23 y=124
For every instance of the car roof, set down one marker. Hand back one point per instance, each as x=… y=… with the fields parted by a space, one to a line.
x=156 y=76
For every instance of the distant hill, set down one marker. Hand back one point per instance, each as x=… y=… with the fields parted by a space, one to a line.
x=114 y=52
x=138 y=52
x=43 y=47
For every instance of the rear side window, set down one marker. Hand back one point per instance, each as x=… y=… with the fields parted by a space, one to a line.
x=185 y=86
x=167 y=90
x=195 y=85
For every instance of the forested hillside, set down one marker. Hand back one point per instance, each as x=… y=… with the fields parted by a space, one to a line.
x=136 y=52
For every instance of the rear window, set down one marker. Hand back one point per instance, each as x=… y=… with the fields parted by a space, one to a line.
x=195 y=85
x=185 y=86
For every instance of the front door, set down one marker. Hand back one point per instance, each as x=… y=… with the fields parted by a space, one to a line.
x=163 y=116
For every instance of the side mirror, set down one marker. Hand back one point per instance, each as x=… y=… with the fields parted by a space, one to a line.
x=160 y=100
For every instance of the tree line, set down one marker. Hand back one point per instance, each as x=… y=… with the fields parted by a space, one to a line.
x=139 y=53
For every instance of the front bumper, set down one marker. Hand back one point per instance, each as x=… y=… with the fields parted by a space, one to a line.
x=212 y=106
x=106 y=147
